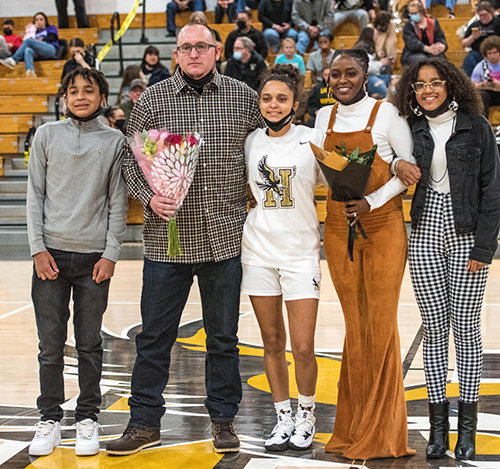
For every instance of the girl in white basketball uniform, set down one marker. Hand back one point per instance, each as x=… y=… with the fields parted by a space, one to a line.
x=280 y=251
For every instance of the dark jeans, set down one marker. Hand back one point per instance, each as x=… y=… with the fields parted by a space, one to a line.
x=490 y=98
x=62 y=14
x=230 y=11
x=173 y=9
x=51 y=301
x=165 y=291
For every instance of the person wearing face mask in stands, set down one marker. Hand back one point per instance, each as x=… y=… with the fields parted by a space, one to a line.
x=245 y=65
x=9 y=42
x=115 y=117
x=245 y=28
x=152 y=70
x=422 y=35
x=137 y=87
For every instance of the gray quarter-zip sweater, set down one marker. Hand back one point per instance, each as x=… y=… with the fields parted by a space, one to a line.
x=77 y=201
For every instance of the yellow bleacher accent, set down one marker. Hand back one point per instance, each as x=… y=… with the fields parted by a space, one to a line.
x=13 y=123
x=20 y=86
x=24 y=104
x=8 y=143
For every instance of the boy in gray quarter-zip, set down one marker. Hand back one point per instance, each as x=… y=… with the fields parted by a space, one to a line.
x=77 y=209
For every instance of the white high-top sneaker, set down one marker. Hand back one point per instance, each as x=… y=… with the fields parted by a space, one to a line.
x=87 y=438
x=278 y=441
x=47 y=437
x=303 y=432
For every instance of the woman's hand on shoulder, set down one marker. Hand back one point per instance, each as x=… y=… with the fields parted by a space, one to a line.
x=474 y=266
x=407 y=173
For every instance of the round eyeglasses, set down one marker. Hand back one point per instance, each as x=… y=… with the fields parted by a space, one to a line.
x=201 y=48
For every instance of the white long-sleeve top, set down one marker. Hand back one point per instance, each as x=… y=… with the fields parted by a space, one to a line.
x=441 y=128
x=390 y=133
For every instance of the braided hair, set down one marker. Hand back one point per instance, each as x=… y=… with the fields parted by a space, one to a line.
x=287 y=74
x=359 y=55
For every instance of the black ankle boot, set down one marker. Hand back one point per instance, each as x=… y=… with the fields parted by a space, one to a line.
x=467 y=423
x=440 y=427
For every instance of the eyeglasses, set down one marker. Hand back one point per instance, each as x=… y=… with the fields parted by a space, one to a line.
x=201 y=48
x=437 y=86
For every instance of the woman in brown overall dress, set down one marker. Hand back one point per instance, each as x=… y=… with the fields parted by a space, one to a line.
x=370 y=420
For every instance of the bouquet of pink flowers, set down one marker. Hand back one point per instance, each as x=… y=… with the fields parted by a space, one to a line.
x=168 y=162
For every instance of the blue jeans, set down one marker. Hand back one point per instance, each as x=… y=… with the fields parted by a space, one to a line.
x=470 y=61
x=165 y=291
x=450 y=4
x=273 y=38
x=32 y=49
x=377 y=84
x=303 y=41
x=51 y=301
x=173 y=9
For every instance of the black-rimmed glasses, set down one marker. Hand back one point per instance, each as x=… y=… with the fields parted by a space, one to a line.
x=201 y=48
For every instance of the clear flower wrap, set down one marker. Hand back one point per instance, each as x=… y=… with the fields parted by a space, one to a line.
x=168 y=161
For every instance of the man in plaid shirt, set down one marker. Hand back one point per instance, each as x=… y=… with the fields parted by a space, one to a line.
x=210 y=224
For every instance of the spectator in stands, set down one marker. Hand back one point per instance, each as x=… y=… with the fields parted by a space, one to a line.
x=198 y=17
x=289 y=55
x=319 y=59
x=137 y=87
x=386 y=38
x=227 y=7
x=486 y=74
x=319 y=97
x=313 y=20
x=422 y=35
x=62 y=14
x=129 y=74
x=245 y=28
x=244 y=5
x=246 y=64
x=79 y=57
x=11 y=42
x=477 y=32
x=43 y=46
x=181 y=5
x=152 y=70
x=358 y=11
x=379 y=69
x=115 y=117
x=276 y=19
x=450 y=4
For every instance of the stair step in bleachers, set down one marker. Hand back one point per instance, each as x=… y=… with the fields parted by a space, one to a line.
x=8 y=143
x=24 y=104
x=43 y=69
x=22 y=86
x=14 y=123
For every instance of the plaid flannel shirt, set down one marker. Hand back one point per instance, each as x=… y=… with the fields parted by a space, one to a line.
x=211 y=219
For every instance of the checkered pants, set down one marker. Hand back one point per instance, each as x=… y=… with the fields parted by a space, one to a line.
x=446 y=291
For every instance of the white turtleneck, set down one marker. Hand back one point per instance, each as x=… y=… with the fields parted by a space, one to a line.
x=441 y=128
x=390 y=132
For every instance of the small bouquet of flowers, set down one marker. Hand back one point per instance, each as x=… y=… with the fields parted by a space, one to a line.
x=347 y=175
x=168 y=161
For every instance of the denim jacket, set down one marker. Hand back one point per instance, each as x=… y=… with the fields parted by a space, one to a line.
x=474 y=174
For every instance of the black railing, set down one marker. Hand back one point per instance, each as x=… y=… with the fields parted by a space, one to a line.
x=116 y=16
x=27 y=144
x=144 y=39
x=56 y=109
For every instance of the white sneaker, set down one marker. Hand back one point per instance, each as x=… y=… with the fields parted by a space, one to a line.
x=87 y=439
x=9 y=62
x=47 y=437
x=303 y=432
x=30 y=74
x=278 y=441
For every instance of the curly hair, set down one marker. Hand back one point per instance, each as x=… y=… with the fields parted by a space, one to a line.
x=491 y=42
x=359 y=55
x=89 y=74
x=458 y=85
x=287 y=74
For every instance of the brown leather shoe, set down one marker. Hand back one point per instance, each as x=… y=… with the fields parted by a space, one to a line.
x=132 y=441
x=224 y=438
